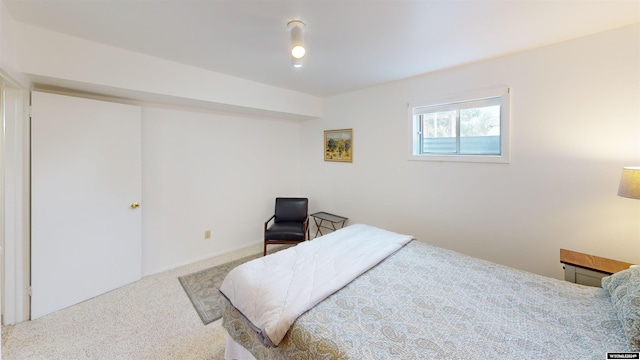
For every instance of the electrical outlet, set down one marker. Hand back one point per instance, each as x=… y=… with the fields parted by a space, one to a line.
x=207 y=234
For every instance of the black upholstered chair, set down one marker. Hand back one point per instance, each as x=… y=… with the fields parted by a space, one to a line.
x=290 y=222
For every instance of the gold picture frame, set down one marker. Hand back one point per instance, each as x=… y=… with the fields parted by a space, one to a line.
x=338 y=145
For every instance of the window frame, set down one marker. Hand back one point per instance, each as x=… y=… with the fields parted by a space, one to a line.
x=458 y=102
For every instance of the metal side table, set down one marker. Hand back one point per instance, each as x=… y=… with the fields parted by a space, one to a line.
x=320 y=217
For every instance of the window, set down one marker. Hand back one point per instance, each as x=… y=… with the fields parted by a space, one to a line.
x=474 y=129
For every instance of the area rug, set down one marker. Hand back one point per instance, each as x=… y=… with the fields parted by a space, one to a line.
x=202 y=288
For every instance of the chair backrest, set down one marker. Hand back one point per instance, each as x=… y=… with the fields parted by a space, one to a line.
x=291 y=209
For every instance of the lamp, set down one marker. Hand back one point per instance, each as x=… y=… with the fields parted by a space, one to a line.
x=630 y=183
x=297 y=43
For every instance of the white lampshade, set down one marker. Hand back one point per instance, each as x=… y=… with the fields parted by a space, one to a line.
x=630 y=183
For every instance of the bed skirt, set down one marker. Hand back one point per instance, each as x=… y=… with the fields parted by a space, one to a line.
x=235 y=351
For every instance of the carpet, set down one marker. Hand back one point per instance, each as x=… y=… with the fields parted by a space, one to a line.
x=202 y=288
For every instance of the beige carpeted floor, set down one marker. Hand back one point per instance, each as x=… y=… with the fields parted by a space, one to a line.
x=149 y=319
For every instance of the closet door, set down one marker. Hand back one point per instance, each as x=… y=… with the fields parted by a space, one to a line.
x=85 y=184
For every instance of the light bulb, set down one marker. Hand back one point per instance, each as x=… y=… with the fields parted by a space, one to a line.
x=297 y=51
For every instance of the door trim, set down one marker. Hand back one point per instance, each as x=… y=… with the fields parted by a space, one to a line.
x=15 y=181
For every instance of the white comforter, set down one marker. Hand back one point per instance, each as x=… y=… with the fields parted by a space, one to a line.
x=272 y=291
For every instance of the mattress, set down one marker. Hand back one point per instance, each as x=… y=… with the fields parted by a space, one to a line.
x=425 y=302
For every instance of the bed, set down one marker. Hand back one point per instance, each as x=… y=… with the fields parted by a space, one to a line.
x=426 y=302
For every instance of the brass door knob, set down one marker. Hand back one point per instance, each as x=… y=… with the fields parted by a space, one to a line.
x=135 y=205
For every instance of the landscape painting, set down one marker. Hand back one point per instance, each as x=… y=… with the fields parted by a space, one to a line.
x=338 y=145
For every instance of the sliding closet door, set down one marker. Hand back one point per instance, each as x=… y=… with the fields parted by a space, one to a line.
x=85 y=184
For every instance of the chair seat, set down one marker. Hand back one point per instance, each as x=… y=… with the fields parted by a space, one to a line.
x=284 y=231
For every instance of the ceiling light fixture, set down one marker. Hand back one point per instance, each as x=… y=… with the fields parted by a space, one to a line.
x=297 y=27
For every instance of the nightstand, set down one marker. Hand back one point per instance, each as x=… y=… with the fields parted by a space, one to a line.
x=330 y=218
x=588 y=269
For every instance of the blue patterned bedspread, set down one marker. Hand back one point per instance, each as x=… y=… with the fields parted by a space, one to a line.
x=426 y=302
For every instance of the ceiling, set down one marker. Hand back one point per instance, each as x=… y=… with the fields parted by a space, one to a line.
x=350 y=44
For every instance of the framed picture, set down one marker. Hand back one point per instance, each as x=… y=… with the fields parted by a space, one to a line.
x=338 y=145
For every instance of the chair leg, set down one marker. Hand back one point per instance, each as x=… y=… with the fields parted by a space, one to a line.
x=265 y=249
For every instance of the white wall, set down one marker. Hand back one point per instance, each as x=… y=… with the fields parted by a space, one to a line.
x=8 y=62
x=60 y=60
x=575 y=123
x=204 y=170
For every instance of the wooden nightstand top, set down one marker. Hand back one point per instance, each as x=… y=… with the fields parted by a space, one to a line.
x=592 y=262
